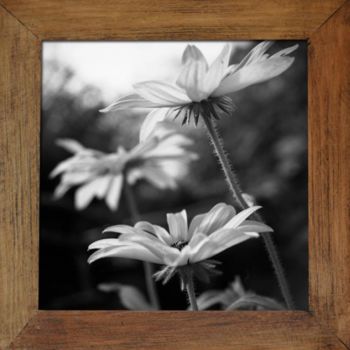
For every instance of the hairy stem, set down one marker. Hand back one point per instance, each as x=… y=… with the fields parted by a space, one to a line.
x=235 y=188
x=148 y=267
x=190 y=292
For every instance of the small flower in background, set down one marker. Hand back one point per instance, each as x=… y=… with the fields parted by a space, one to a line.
x=161 y=159
x=130 y=297
x=235 y=297
x=201 y=89
x=182 y=248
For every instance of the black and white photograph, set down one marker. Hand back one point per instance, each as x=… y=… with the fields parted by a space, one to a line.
x=173 y=176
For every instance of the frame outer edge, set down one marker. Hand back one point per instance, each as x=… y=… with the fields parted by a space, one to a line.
x=19 y=158
x=329 y=190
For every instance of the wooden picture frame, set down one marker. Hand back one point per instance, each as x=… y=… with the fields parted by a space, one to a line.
x=326 y=26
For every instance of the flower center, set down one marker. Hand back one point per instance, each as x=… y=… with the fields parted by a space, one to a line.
x=213 y=107
x=179 y=244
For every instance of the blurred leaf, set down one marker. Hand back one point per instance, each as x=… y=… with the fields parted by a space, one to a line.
x=255 y=302
x=130 y=297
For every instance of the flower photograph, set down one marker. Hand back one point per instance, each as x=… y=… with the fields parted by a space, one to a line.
x=173 y=176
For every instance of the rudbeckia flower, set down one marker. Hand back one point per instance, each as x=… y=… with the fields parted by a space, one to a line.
x=182 y=246
x=200 y=89
x=160 y=159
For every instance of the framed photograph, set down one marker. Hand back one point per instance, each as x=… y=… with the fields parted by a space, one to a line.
x=175 y=175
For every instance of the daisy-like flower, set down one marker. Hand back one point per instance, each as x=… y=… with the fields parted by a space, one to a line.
x=200 y=89
x=182 y=248
x=161 y=159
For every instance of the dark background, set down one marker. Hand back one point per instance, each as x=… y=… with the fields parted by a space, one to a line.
x=266 y=139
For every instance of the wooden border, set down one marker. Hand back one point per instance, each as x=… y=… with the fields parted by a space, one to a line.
x=325 y=23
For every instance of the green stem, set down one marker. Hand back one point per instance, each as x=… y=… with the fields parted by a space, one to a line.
x=234 y=186
x=148 y=267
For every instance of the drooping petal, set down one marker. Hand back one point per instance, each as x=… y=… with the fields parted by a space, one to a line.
x=178 y=226
x=162 y=93
x=130 y=102
x=253 y=74
x=136 y=252
x=150 y=122
x=114 y=192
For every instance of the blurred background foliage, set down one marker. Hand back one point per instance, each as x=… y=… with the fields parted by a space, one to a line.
x=266 y=139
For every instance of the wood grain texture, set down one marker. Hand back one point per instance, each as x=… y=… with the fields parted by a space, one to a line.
x=176 y=330
x=19 y=136
x=168 y=19
x=329 y=164
x=329 y=192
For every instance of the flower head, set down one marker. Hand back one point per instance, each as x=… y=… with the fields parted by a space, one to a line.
x=182 y=245
x=160 y=159
x=200 y=89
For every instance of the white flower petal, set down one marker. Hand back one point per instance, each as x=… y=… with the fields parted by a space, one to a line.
x=253 y=74
x=150 y=122
x=217 y=70
x=157 y=247
x=195 y=223
x=183 y=258
x=192 y=74
x=205 y=250
x=192 y=53
x=162 y=93
x=62 y=167
x=285 y=51
x=257 y=53
x=123 y=229
x=197 y=239
x=178 y=226
x=240 y=217
x=217 y=217
x=85 y=193
x=136 y=252
x=158 y=231
x=105 y=243
x=130 y=102
x=226 y=238
x=114 y=192
x=70 y=145
x=158 y=177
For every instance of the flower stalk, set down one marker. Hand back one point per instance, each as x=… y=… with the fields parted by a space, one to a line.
x=235 y=188
x=147 y=266
x=186 y=276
